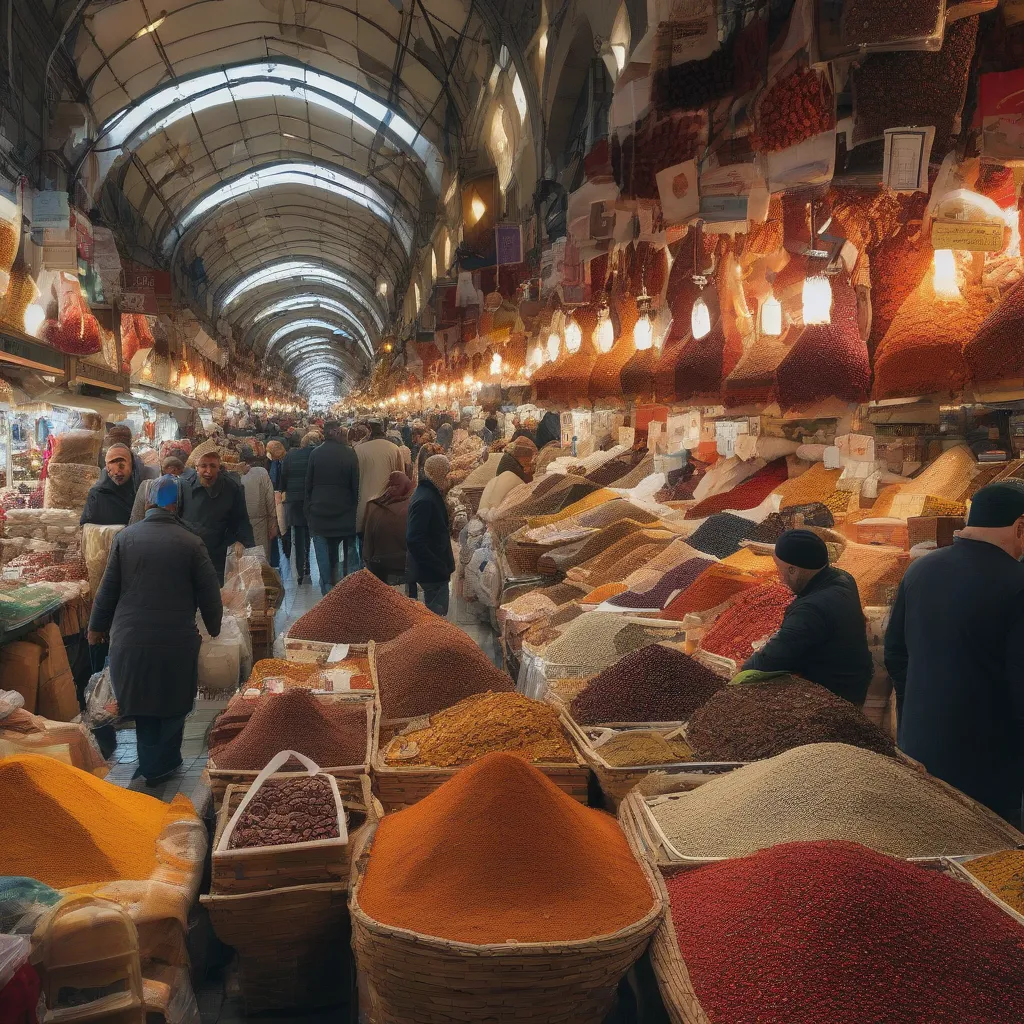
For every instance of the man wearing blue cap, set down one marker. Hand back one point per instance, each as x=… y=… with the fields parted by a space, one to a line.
x=823 y=636
x=158 y=574
x=954 y=650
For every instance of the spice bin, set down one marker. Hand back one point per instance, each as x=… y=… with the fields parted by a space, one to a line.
x=398 y=786
x=438 y=981
x=349 y=777
x=256 y=868
x=617 y=782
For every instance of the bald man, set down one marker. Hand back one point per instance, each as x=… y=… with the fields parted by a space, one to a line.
x=110 y=500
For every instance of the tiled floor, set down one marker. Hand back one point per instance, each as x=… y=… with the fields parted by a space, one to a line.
x=218 y=999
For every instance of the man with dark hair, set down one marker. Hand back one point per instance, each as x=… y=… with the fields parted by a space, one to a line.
x=953 y=649
x=823 y=636
x=213 y=503
x=331 y=501
x=158 y=574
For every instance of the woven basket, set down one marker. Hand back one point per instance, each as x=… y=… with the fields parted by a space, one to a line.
x=618 y=781
x=419 y=979
x=349 y=777
x=399 y=786
x=677 y=992
x=288 y=942
x=257 y=869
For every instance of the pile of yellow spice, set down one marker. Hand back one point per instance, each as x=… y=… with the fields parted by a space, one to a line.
x=1003 y=873
x=482 y=724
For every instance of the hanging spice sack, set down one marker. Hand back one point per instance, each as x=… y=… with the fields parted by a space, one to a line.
x=883 y=96
x=866 y=25
x=661 y=140
x=922 y=353
x=705 y=362
x=827 y=360
x=795 y=106
x=996 y=352
x=78 y=333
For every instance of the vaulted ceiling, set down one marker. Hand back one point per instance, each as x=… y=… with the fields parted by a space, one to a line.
x=298 y=149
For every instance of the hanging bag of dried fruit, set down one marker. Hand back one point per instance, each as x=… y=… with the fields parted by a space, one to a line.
x=78 y=331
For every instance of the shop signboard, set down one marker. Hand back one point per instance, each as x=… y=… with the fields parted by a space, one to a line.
x=30 y=353
x=139 y=292
x=51 y=210
x=509 y=239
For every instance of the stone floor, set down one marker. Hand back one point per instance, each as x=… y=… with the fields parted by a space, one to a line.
x=218 y=998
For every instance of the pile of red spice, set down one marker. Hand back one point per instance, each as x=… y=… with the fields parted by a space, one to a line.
x=748 y=494
x=332 y=733
x=752 y=617
x=714 y=586
x=834 y=933
x=359 y=609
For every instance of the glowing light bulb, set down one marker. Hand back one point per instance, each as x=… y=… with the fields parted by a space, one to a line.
x=643 y=334
x=604 y=335
x=700 y=319
x=771 y=316
x=573 y=337
x=817 y=295
x=478 y=208
x=495 y=364
x=468 y=380
x=34 y=317
x=553 y=347
x=944 y=275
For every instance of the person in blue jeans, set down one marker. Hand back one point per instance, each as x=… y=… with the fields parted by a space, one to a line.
x=430 y=561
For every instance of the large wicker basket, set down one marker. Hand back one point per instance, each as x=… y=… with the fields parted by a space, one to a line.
x=419 y=979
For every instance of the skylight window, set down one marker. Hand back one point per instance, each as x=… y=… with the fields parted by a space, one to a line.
x=267 y=79
x=314 y=303
x=315 y=325
x=520 y=97
x=301 y=272
x=312 y=175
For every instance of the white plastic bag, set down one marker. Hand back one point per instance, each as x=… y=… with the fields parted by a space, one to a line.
x=10 y=700
x=100 y=701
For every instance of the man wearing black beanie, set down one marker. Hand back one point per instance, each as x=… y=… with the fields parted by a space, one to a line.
x=954 y=650
x=823 y=636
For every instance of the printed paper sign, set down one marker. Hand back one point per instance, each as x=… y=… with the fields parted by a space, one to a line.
x=677 y=187
x=965 y=235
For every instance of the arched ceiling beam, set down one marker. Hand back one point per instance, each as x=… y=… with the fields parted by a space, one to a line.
x=331 y=180
x=308 y=324
x=300 y=274
x=247 y=238
x=277 y=328
x=164 y=106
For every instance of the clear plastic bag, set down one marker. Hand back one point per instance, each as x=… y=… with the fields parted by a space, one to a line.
x=10 y=700
x=100 y=701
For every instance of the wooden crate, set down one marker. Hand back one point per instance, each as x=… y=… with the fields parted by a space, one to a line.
x=349 y=777
x=261 y=631
x=399 y=786
x=257 y=868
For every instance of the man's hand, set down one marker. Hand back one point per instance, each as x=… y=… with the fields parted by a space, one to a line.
x=238 y=548
x=96 y=638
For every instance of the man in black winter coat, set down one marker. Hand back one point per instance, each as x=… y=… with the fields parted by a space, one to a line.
x=331 y=502
x=823 y=636
x=213 y=504
x=158 y=574
x=111 y=498
x=429 y=559
x=953 y=649
x=292 y=485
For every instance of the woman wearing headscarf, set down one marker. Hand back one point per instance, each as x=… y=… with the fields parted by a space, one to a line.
x=515 y=468
x=430 y=561
x=259 y=499
x=549 y=431
x=396 y=439
x=283 y=543
x=384 y=551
